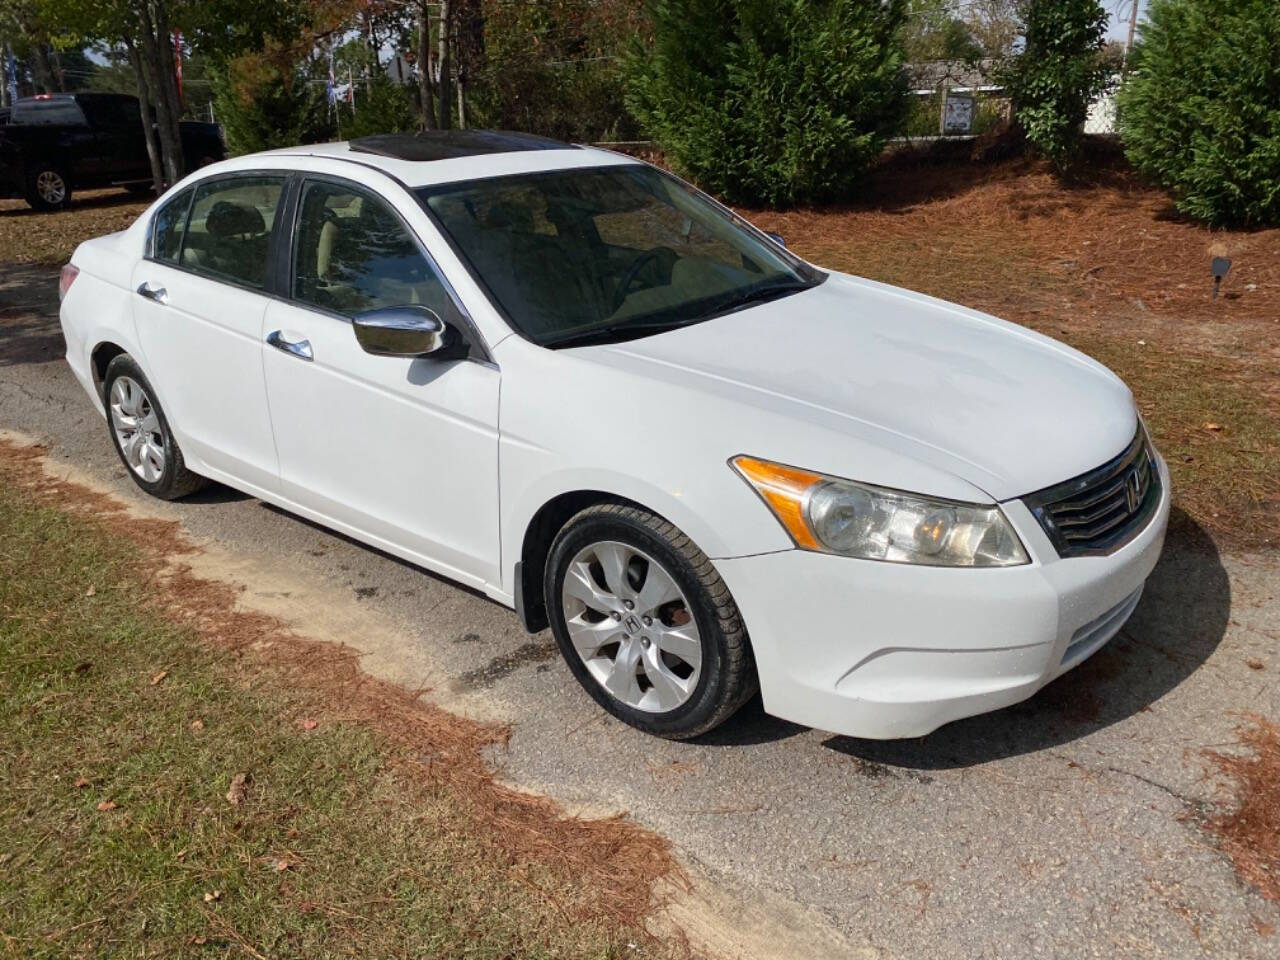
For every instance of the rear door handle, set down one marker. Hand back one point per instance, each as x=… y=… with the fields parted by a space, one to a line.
x=295 y=348
x=158 y=294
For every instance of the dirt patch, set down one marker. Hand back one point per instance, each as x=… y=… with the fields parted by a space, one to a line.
x=617 y=862
x=1248 y=822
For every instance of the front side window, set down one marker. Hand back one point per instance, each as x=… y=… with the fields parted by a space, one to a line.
x=609 y=253
x=229 y=231
x=169 y=226
x=353 y=254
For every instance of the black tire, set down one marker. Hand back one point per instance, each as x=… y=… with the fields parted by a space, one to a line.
x=176 y=480
x=39 y=185
x=728 y=676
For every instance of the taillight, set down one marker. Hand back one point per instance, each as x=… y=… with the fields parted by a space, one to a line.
x=65 y=279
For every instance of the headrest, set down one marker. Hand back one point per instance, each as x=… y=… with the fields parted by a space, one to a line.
x=233 y=218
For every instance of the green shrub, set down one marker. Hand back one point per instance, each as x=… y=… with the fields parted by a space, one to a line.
x=1060 y=70
x=771 y=101
x=1200 y=114
x=381 y=107
x=262 y=107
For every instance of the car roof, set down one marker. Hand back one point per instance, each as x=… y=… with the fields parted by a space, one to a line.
x=422 y=160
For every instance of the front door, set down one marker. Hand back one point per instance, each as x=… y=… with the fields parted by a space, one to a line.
x=401 y=451
x=199 y=306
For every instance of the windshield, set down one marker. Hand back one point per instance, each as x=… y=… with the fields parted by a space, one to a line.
x=609 y=253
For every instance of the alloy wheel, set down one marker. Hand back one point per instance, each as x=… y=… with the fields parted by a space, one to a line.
x=632 y=625
x=51 y=188
x=137 y=429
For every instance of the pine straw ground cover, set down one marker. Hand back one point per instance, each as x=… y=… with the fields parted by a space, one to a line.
x=181 y=777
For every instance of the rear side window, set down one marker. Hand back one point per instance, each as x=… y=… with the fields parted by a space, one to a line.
x=229 y=229
x=169 y=226
x=353 y=254
x=39 y=112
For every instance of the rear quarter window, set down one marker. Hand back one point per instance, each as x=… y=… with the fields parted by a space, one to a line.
x=169 y=226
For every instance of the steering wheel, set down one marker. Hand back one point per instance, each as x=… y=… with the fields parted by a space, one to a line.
x=656 y=255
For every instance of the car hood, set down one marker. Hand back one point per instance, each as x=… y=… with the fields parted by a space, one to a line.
x=1002 y=408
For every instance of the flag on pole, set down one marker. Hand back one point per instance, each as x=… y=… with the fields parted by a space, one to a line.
x=11 y=78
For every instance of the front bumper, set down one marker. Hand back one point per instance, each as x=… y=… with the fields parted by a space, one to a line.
x=886 y=650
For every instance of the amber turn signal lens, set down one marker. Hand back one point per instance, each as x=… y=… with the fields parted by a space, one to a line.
x=783 y=489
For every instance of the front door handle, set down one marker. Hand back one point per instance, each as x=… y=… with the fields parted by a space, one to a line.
x=295 y=348
x=158 y=294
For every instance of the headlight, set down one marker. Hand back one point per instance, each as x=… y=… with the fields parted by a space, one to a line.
x=830 y=515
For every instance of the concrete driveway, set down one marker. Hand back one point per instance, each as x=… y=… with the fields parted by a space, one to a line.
x=1070 y=826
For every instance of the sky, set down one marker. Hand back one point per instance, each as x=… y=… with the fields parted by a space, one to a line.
x=1119 y=26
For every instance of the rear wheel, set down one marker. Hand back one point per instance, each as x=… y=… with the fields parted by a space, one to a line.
x=141 y=435
x=645 y=623
x=48 y=188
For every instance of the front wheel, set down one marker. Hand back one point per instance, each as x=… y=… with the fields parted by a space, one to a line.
x=645 y=623
x=141 y=435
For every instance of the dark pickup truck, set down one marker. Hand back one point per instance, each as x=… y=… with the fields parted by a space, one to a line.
x=54 y=143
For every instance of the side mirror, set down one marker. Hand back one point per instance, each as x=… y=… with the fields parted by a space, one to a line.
x=777 y=238
x=409 y=331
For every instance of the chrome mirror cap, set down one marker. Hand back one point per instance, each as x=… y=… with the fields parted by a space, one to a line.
x=409 y=331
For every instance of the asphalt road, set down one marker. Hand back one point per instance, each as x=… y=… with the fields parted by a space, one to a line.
x=1069 y=826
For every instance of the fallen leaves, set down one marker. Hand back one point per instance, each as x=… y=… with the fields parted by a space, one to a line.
x=105 y=806
x=213 y=896
x=197 y=725
x=239 y=789
x=159 y=677
x=309 y=724
x=91 y=591
x=81 y=783
x=1213 y=427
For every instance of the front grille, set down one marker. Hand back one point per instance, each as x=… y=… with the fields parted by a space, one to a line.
x=1100 y=511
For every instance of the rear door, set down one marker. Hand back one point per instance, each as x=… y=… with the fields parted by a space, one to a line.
x=121 y=145
x=200 y=299
x=402 y=450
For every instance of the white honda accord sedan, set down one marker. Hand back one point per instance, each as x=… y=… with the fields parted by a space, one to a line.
x=571 y=381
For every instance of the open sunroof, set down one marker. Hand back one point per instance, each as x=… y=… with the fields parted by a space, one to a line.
x=448 y=144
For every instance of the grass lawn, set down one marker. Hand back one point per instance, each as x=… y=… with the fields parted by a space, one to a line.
x=165 y=794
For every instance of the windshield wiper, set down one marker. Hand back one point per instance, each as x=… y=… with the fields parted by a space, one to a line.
x=625 y=330
x=746 y=298
x=615 y=331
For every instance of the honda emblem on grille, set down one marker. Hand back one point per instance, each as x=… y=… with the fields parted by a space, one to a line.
x=1132 y=491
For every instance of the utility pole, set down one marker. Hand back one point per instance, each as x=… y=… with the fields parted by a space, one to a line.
x=1133 y=25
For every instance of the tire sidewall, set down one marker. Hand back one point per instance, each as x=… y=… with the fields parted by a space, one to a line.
x=124 y=366
x=708 y=693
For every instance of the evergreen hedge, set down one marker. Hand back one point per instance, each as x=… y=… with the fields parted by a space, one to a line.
x=771 y=101
x=1200 y=112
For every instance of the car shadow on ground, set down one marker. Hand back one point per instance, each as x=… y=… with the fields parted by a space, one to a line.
x=1178 y=624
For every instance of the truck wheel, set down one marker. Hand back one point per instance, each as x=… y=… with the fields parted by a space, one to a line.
x=48 y=189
